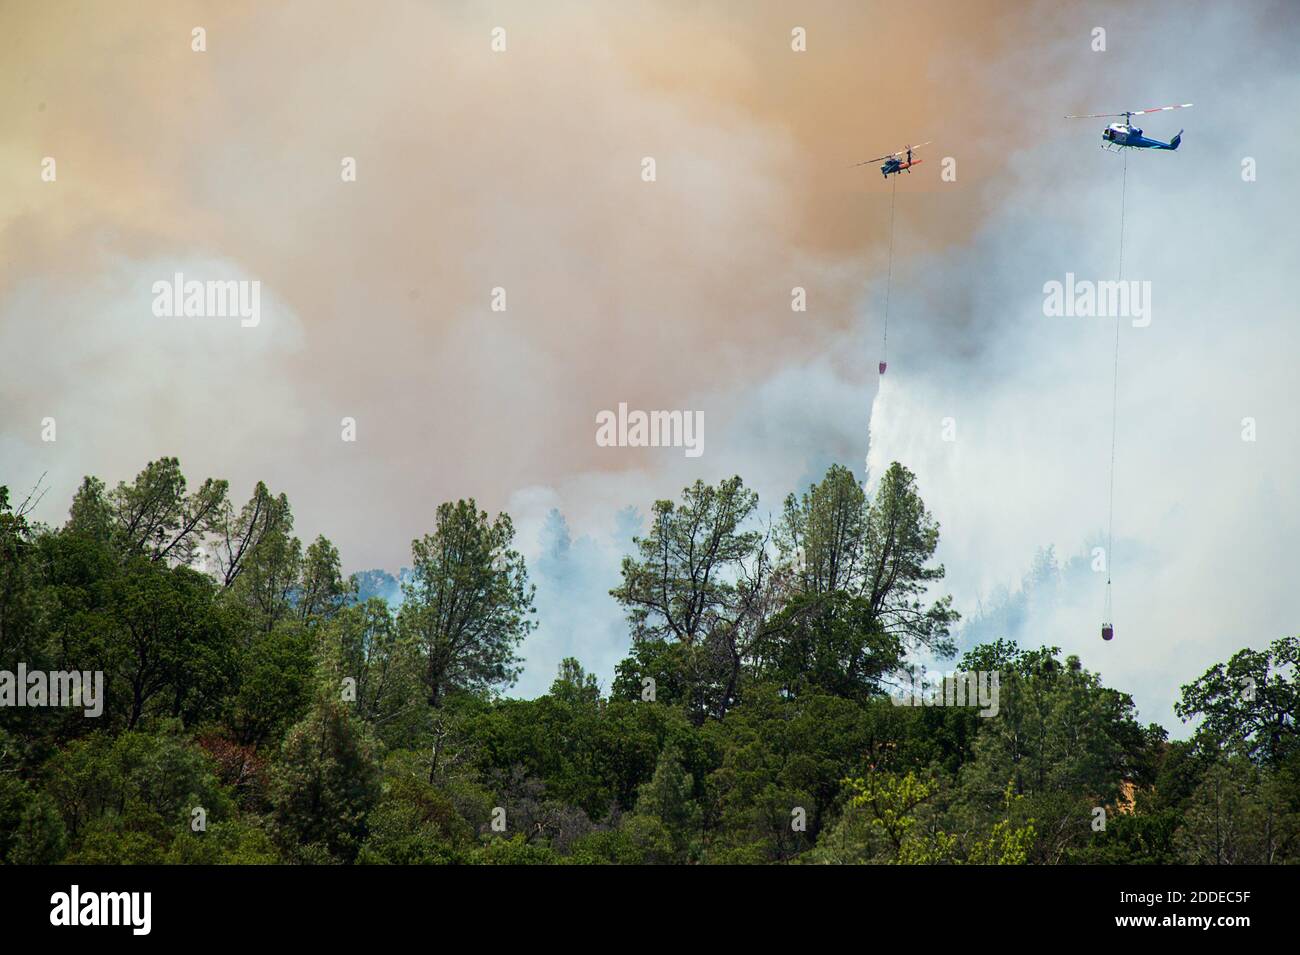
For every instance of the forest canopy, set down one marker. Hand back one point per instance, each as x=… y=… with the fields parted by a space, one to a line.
x=255 y=710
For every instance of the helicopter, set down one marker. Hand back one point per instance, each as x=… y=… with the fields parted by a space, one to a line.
x=894 y=162
x=1125 y=135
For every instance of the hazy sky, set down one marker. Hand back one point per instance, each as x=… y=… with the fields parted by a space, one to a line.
x=522 y=169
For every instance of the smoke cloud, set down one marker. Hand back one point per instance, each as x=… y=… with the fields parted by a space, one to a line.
x=522 y=170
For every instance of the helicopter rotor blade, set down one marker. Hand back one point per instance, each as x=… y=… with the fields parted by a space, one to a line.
x=1161 y=109
x=898 y=155
x=1135 y=112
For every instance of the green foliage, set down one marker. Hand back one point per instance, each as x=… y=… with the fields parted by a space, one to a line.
x=415 y=823
x=322 y=592
x=677 y=587
x=362 y=644
x=325 y=783
x=1144 y=837
x=900 y=541
x=890 y=804
x=230 y=842
x=900 y=826
x=627 y=845
x=669 y=800
x=514 y=850
x=276 y=684
x=469 y=603
x=1057 y=729
x=693 y=676
x=1240 y=814
x=265 y=567
x=40 y=837
x=747 y=725
x=876 y=552
x=164 y=644
x=697 y=594
x=1006 y=843
x=828 y=642
x=1251 y=702
x=779 y=754
x=574 y=686
x=18 y=585
x=31 y=832
x=153 y=515
x=125 y=798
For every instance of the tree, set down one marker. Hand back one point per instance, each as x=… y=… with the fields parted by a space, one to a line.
x=669 y=800
x=326 y=782
x=574 y=685
x=468 y=602
x=1057 y=729
x=1251 y=702
x=900 y=830
x=161 y=637
x=265 y=574
x=415 y=824
x=322 y=592
x=139 y=787
x=17 y=583
x=31 y=832
x=683 y=584
x=239 y=535
x=153 y=515
x=746 y=725
x=363 y=644
x=701 y=581
x=276 y=681
x=777 y=754
x=901 y=538
x=824 y=533
x=879 y=552
x=828 y=642
x=890 y=803
x=1063 y=741
x=1239 y=815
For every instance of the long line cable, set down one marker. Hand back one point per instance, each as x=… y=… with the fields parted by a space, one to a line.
x=1114 y=400
x=889 y=279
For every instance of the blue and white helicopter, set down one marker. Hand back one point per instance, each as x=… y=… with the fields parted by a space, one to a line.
x=1125 y=135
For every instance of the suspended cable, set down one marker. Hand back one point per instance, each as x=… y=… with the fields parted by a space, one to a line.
x=1107 y=630
x=889 y=279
